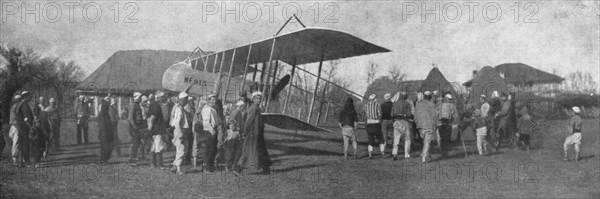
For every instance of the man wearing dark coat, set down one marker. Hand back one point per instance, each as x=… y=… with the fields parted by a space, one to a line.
x=507 y=118
x=137 y=127
x=495 y=107
x=254 y=149
x=113 y=112
x=24 y=119
x=105 y=130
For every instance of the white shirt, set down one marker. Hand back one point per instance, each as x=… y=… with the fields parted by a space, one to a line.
x=485 y=107
x=210 y=118
x=177 y=115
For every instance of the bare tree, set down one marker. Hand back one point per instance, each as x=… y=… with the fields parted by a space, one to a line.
x=332 y=69
x=24 y=67
x=371 y=72
x=579 y=82
x=395 y=74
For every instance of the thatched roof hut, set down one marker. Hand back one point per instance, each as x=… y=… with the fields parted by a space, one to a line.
x=519 y=74
x=436 y=81
x=487 y=81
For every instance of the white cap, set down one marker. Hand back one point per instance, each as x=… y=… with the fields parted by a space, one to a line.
x=576 y=109
x=257 y=93
x=51 y=100
x=190 y=98
x=24 y=93
x=495 y=94
x=182 y=95
x=144 y=98
x=159 y=94
x=435 y=92
x=137 y=95
x=482 y=96
x=372 y=96
x=427 y=93
x=17 y=96
x=387 y=96
x=448 y=96
x=212 y=95
x=239 y=103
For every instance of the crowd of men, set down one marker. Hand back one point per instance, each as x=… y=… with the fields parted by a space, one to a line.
x=434 y=116
x=187 y=124
x=34 y=129
x=156 y=124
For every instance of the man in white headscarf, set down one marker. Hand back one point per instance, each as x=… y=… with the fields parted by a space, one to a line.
x=425 y=118
x=254 y=151
x=574 y=137
x=180 y=123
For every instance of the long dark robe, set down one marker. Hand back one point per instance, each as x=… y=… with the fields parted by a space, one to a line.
x=105 y=131
x=254 y=149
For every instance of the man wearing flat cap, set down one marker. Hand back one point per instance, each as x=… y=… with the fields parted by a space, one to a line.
x=137 y=126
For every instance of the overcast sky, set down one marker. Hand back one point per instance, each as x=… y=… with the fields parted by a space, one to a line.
x=560 y=36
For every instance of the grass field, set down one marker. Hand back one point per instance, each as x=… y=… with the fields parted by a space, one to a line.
x=309 y=165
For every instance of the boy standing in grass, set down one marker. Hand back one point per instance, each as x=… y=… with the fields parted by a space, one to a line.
x=525 y=128
x=575 y=134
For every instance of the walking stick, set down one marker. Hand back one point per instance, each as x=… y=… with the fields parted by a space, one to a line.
x=463 y=142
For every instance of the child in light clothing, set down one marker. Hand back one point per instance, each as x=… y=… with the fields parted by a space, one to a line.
x=574 y=137
x=480 y=131
x=526 y=126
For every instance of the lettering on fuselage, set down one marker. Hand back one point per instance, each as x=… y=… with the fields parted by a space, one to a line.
x=190 y=80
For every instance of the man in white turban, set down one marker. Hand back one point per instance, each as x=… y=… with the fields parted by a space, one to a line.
x=574 y=137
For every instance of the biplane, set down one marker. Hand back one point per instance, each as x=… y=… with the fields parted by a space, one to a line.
x=207 y=71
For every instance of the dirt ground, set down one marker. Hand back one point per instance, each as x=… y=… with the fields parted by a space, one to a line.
x=310 y=165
